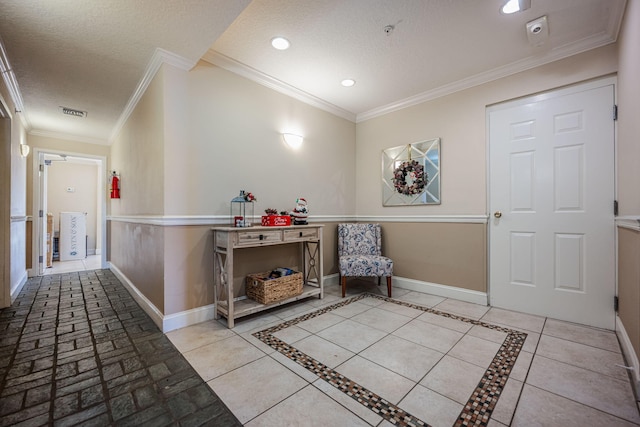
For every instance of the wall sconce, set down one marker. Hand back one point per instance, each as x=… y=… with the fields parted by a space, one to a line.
x=292 y=140
x=513 y=6
x=24 y=150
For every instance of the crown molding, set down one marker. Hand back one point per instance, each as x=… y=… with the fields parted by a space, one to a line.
x=588 y=43
x=68 y=137
x=11 y=83
x=222 y=61
x=160 y=56
x=615 y=19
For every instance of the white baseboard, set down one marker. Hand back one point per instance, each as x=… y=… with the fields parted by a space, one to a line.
x=15 y=290
x=187 y=318
x=171 y=321
x=148 y=307
x=331 y=279
x=461 y=294
x=629 y=354
x=91 y=252
x=445 y=291
x=202 y=314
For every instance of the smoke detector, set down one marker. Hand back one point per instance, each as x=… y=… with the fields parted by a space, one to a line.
x=538 y=31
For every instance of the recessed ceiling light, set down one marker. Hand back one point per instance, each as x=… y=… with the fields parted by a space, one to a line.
x=348 y=82
x=513 y=6
x=280 y=43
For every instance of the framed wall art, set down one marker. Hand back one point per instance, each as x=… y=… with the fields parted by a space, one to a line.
x=411 y=174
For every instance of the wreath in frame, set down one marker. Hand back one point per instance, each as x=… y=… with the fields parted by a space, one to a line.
x=409 y=178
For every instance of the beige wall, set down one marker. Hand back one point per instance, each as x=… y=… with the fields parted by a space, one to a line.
x=628 y=283
x=451 y=253
x=83 y=178
x=137 y=155
x=205 y=135
x=209 y=133
x=628 y=145
x=234 y=143
x=137 y=250
x=460 y=121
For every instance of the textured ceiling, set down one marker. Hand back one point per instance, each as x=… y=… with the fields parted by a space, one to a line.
x=91 y=55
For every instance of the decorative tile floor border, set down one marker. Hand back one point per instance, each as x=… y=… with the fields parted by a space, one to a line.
x=478 y=408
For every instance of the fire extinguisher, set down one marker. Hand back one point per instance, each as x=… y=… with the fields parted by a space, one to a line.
x=115 y=185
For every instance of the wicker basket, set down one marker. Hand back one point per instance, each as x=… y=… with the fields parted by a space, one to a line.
x=266 y=291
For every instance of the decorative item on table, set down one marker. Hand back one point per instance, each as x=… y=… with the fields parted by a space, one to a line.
x=300 y=212
x=272 y=219
x=239 y=214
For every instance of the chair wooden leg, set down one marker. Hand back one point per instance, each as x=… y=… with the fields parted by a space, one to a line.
x=344 y=285
x=389 y=286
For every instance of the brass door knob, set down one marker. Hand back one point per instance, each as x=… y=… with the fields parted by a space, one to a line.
x=497 y=214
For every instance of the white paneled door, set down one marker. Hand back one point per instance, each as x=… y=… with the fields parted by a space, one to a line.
x=551 y=195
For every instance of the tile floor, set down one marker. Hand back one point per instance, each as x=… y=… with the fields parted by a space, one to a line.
x=418 y=360
x=91 y=262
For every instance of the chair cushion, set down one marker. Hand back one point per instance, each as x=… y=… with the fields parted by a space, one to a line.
x=365 y=266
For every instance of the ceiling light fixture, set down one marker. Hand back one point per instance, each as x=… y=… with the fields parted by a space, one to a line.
x=280 y=43
x=292 y=140
x=513 y=6
x=348 y=82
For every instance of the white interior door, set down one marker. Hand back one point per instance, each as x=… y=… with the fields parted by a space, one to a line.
x=551 y=195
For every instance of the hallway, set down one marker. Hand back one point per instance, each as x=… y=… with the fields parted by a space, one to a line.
x=76 y=349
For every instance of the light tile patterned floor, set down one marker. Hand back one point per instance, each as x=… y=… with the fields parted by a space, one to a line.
x=92 y=262
x=418 y=355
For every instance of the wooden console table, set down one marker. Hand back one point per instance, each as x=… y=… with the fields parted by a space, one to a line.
x=226 y=240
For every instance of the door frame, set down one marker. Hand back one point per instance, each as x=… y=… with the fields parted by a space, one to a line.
x=528 y=99
x=38 y=223
x=5 y=206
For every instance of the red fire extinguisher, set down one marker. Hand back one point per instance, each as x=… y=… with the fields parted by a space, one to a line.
x=115 y=185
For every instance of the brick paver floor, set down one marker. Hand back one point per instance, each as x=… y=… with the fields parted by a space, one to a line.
x=76 y=349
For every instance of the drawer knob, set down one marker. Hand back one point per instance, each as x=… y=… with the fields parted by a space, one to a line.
x=301 y=234
x=261 y=237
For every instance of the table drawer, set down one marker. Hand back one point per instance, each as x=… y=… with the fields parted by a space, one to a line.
x=246 y=238
x=300 y=234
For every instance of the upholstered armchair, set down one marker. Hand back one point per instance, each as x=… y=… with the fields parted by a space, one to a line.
x=360 y=254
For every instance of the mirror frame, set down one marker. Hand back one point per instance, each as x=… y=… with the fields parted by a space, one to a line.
x=422 y=157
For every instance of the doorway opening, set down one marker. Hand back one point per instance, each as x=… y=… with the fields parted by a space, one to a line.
x=69 y=209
